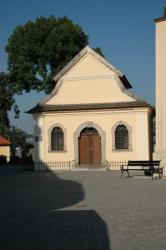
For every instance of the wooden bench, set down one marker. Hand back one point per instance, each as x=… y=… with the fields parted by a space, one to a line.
x=149 y=167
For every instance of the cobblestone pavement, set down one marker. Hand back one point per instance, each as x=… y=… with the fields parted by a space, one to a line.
x=81 y=210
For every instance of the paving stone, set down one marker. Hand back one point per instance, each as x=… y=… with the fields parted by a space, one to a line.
x=81 y=210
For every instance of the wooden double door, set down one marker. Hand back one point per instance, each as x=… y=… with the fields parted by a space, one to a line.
x=89 y=147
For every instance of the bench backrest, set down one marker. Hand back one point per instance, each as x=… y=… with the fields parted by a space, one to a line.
x=143 y=163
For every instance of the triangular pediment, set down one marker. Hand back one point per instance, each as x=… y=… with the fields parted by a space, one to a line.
x=89 y=78
x=81 y=57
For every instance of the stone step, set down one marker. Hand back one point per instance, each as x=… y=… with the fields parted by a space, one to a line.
x=89 y=168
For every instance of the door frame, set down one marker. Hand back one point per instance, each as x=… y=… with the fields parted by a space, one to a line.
x=91 y=147
x=102 y=134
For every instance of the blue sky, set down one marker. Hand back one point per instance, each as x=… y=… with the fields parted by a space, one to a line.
x=123 y=29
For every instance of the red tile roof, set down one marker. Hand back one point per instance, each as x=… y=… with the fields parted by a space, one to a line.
x=4 y=141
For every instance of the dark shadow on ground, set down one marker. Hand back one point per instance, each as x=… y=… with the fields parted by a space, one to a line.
x=32 y=214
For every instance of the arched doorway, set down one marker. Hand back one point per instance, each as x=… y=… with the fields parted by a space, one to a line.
x=89 y=147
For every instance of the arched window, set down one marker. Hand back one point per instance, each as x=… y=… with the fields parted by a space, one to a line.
x=121 y=137
x=57 y=139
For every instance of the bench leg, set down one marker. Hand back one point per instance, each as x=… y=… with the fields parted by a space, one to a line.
x=122 y=173
x=160 y=173
x=128 y=173
x=152 y=173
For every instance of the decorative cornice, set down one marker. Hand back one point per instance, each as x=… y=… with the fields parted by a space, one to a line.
x=89 y=78
x=89 y=106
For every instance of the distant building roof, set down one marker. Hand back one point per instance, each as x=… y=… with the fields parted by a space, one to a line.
x=4 y=142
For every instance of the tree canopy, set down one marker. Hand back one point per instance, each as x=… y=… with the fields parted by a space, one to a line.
x=6 y=102
x=6 y=94
x=19 y=137
x=39 y=49
x=36 y=51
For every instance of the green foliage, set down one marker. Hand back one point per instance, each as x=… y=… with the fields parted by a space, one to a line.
x=18 y=137
x=4 y=125
x=99 y=51
x=6 y=103
x=6 y=93
x=36 y=52
x=165 y=11
x=3 y=160
x=39 y=49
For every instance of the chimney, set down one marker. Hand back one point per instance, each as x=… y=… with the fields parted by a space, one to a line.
x=160 y=65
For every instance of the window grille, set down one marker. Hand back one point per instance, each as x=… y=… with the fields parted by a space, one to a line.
x=121 y=137
x=57 y=139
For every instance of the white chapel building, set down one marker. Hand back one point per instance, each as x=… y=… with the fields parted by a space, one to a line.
x=91 y=117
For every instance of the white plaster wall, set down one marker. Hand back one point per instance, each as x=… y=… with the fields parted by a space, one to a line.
x=90 y=90
x=161 y=88
x=106 y=120
x=88 y=65
x=39 y=146
x=142 y=136
x=160 y=92
x=89 y=81
x=5 y=150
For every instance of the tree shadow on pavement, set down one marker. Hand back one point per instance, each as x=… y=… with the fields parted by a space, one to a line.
x=34 y=214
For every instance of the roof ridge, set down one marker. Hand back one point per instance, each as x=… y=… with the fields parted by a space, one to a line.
x=78 y=56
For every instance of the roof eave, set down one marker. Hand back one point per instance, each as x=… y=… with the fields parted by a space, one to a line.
x=160 y=19
x=59 y=108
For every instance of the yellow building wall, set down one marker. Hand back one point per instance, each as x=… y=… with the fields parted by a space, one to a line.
x=5 y=150
x=136 y=119
x=160 y=92
x=89 y=81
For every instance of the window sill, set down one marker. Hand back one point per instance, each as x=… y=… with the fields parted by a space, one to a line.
x=57 y=151
x=122 y=150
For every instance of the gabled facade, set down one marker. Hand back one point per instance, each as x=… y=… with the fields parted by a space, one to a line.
x=91 y=117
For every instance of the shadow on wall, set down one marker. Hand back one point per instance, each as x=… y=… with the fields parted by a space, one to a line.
x=41 y=211
x=37 y=139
